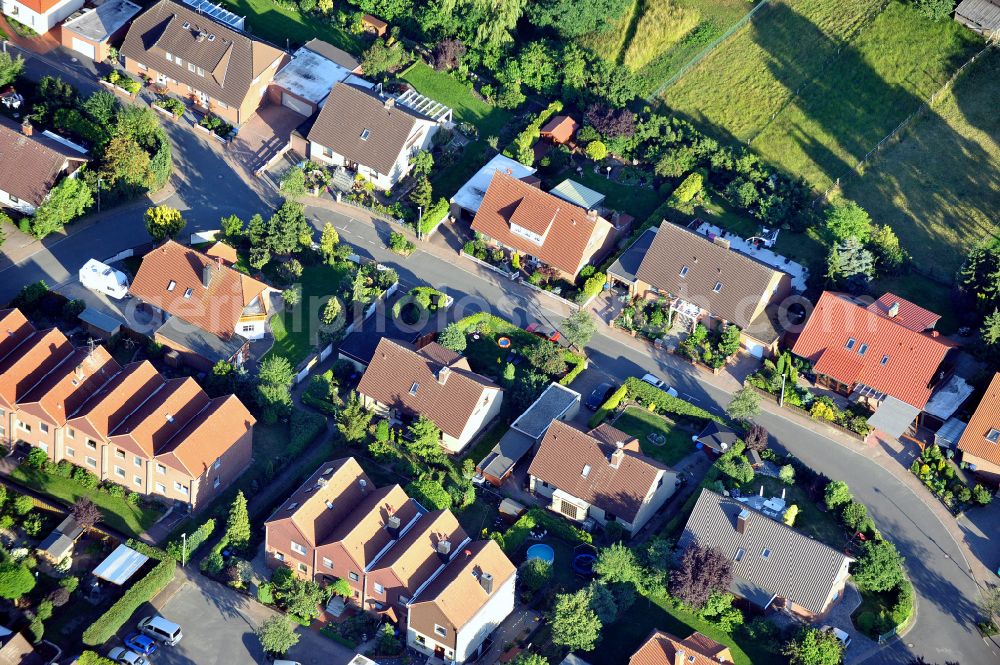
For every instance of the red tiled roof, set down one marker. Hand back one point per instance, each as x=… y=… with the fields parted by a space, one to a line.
x=566 y=229
x=986 y=420
x=911 y=359
x=911 y=316
x=25 y=365
x=31 y=165
x=105 y=410
x=14 y=328
x=61 y=392
x=561 y=128
x=661 y=649
x=207 y=436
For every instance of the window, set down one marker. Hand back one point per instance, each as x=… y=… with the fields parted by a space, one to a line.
x=850 y=344
x=13 y=199
x=327 y=563
x=766 y=553
x=885 y=360
x=353 y=575
x=90 y=461
x=379 y=588
x=171 y=285
x=218 y=462
x=365 y=134
x=993 y=436
x=303 y=568
x=298 y=548
x=222 y=105
x=70 y=452
x=201 y=72
x=862 y=349
x=119 y=453
x=718 y=287
x=160 y=469
x=180 y=488
x=161 y=488
x=141 y=66
x=91 y=444
x=216 y=482
x=178 y=61
x=739 y=554
x=586 y=470
x=414 y=388
x=43 y=427
x=191 y=67
x=421 y=640
x=440 y=630
x=188 y=292
x=137 y=480
x=25 y=427
x=279 y=556
x=248 y=328
x=69 y=431
x=327 y=152
x=403 y=600
x=137 y=461
x=170 y=57
x=120 y=472
x=684 y=271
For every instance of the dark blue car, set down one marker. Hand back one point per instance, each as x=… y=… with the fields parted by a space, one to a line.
x=141 y=644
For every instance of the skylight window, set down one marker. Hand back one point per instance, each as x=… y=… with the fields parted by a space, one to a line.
x=171 y=285
x=850 y=344
x=586 y=470
x=293 y=505
x=188 y=292
x=863 y=349
x=739 y=554
x=885 y=360
x=414 y=388
x=993 y=436
x=766 y=553
x=684 y=271
x=365 y=134
x=718 y=287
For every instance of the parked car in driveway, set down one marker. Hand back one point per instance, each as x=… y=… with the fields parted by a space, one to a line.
x=142 y=644
x=657 y=382
x=841 y=635
x=600 y=395
x=161 y=629
x=545 y=332
x=126 y=657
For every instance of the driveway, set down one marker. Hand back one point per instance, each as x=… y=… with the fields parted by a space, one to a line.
x=264 y=137
x=219 y=625
x=981 y=528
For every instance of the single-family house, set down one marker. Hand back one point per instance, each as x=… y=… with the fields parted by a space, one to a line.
x=707 y=282
x=543 y=228
x=401 y=383
x=452 y=616
x=305 y=82
x=466 y=201
x=980 y=442
x=40 y=15
x=884 y=355
x=662 y=648
x=774 y=566
x=556 y=402
x=372 y=133
x=93 y=31
x=31 y=164
x=207 y=61
x=599 y=477
x=163 y=438
x=210 y=311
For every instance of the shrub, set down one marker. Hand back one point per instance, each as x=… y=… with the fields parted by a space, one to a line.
x=84 y=477
x=37 y=458
x=175 y=548
x=400 y=245
x=609 y=405
x=430 y=493
x=265 y=594
x=105 y=627
x=303 y=428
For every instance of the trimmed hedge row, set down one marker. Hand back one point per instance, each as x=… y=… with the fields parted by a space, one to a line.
x=518 y=532
x=175 y=548
x=640 y=390
x=109 y=623
x=579 y=364
x=149 y=550
x=609 y=405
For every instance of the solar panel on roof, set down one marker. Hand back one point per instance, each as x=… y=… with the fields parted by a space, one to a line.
x=218 y=13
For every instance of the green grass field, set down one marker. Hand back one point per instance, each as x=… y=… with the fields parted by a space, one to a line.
x=750 y=76
x=466 y=104
x=295 y=331
x=939 y=187
x=641 y=423
x=278 y=23
x=885 y=75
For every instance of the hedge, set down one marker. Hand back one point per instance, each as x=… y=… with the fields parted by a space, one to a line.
x=323 y=405
x=216 y=552
x=148 y=550
x=175 y=548
x=517 y=534
x=579 y=364
x=638 y=389
x=303 y=428
x=434 y=214
x=609 y=405
x=109 y=623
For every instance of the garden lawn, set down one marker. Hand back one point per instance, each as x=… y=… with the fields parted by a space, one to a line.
x=752 y=75
x=641 y=423
x=881 y=78
x=628 y=633
x=116 y=513
x=640 y=202
x=939 y=187
x=489 y=439
x=277 y=23
x=819 y=524
x=296 y=331
x=467 y=105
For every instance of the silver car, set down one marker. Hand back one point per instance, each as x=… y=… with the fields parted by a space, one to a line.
x=127 y=657
x=657 y=382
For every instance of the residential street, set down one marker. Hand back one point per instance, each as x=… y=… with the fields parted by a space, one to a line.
x=207 y=188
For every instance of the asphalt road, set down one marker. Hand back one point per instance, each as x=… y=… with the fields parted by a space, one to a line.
x=207 y=189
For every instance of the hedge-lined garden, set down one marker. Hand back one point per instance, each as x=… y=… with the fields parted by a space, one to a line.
x=109 y=623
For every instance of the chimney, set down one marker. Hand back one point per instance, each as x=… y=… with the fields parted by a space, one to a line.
x=444 y=550
x=363 y=484
x=741 y=521
x=79 y=371
x=26 y=128
x=200 y=36
x=443 y=374
x=206 y=276
x=389 y=102
x=616 y=457
x=392 y=526
x=322 y=482
x=486 y=581
x=679 y=656
x=894 y=310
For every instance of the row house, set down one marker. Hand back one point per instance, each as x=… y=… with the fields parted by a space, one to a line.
x=160 y=437
x=402 y=562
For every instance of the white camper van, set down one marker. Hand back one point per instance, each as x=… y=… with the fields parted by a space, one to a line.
x=99 y=277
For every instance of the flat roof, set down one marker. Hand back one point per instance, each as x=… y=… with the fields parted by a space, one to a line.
x=99 y=24
x=470 y=196
x=550 y=405
x=202 y=342
x=100 y=320
x=331 y=52
x=577 y=194
x=627 y=264
x=947 y=398
x=310 y=75
x=506 y=453
x=120 y=565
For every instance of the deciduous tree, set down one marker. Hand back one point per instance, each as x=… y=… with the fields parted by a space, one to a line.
x=452 y=338
x=15 y=580
x=701 y=571
x=381 y=58
x=164 y=222
x=277 y=635
x=579 y=327
x=575 y=18
x=880 y=566
x=756 y=438
x=846 y=219
x=837 y=493
x=574 y=623
x=10 y=68
x=813 y=646
x=745 y=405
x=85 y=512
x=66 y=201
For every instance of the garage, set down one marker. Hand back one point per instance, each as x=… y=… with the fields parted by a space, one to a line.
x=86 y=48
x=296 y=104
x=754 y=348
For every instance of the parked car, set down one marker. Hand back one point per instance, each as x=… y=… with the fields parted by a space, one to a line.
x=126 y=657
x=657 y=382
x=841 y=635
x=140 y=643
x=545 y=332
x=600 y=395
x=287 y=662
x=161 y=630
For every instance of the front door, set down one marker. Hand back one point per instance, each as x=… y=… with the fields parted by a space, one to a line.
x=439 y=652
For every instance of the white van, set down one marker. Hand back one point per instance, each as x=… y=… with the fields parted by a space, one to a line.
x=160 y=629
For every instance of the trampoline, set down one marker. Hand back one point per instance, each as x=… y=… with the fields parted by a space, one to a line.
x=503 y=342
x=583 y=564
x=542 y=551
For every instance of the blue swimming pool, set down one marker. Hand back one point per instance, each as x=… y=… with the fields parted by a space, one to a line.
x=541 y=551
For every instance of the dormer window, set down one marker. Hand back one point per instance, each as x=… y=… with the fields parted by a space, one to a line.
x=684 y=271
x=993 y=436
x=191 y=67
x=718 y=287
x=863 y=349
x=850 y=344
x=201 y=72
x=188 y=292
x=365 y=134
x=171 y=285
